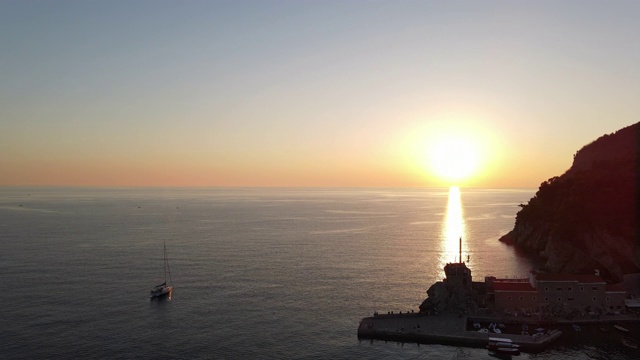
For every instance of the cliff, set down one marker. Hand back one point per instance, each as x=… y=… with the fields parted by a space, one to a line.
x=588 y=217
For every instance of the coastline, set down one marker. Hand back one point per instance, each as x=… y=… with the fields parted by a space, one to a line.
x=451 y=329
x=447 y=329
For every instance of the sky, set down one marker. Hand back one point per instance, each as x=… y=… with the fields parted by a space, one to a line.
x=310 y=93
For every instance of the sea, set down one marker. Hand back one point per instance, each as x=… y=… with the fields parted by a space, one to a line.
x=277 y=273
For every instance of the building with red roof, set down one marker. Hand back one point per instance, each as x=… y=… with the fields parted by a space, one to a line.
x=568 y=292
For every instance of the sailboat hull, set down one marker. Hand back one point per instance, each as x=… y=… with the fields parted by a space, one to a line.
x=163 y=289
x=161 y=292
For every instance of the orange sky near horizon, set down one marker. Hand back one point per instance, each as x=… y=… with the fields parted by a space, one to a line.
x=321 y=94
x=403 y=162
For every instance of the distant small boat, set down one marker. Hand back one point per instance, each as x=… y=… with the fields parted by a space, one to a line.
x=500 y=344
x=163 y=289
x=621 y=328
x=502 y=347
x=501 y=340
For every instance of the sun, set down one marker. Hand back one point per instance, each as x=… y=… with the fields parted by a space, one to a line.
x=453 y=158
x=454 y=150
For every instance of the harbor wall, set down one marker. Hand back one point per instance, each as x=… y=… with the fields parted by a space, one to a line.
x=442 y=329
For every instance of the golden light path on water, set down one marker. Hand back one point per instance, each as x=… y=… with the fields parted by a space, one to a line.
x=453 y=229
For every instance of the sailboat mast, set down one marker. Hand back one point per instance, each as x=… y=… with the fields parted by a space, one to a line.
x=164 y=262
x=166 y=265
x=167 y=262
x=460 y=249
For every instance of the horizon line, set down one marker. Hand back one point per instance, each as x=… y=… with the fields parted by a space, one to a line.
x=257 y=187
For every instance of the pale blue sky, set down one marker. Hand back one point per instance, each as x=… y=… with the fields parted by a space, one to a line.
x=322 y=93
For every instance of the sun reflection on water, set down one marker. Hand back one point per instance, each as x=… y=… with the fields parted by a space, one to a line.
x=453 y=228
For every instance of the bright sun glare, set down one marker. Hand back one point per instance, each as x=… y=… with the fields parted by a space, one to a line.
x=453 y=158
x=454 y=228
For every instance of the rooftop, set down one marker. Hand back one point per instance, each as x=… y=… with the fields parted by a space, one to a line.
x=513 y=286
x=581 y=278
x=616 y=287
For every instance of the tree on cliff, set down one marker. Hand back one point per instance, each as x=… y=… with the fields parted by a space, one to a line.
x=589 y=216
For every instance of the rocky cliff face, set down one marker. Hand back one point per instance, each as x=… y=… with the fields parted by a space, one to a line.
x=589 y=217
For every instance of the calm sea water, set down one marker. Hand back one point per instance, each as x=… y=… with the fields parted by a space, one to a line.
x=278 y=273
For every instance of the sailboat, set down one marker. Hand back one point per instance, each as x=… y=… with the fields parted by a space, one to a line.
x=163 y=289
x=502 y=348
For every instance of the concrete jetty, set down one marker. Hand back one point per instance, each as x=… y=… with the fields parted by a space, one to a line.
x=462 y=312
x=446 y=329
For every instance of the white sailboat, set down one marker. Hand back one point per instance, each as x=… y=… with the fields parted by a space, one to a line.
x=163 y=289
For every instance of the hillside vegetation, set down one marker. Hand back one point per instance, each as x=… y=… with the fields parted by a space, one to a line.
x=588 y=217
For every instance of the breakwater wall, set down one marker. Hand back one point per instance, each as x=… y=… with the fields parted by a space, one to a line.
x=442 y=329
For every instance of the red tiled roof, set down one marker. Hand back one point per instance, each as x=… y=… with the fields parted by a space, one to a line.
x=615 y=287
x=513 y=286
x=581 y=278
